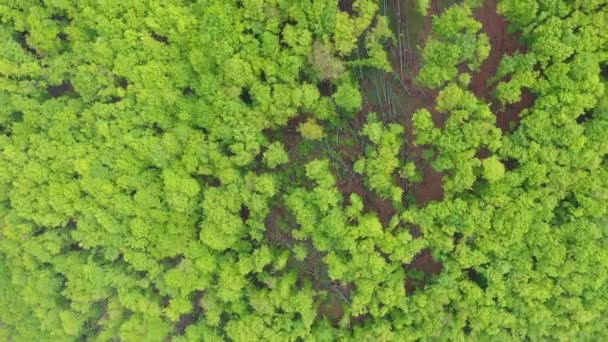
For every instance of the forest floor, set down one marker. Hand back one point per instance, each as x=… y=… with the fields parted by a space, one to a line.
x=395 y=97
x=503 y=43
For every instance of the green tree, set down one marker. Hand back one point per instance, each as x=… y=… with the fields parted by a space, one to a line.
x=348 y=97
x=493 y=169
x=324 y=63
x=381 y=158
x=423 y=6
x=311 y=130
x=275 y=155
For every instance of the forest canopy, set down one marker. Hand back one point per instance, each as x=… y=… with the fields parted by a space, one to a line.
x=303 y=170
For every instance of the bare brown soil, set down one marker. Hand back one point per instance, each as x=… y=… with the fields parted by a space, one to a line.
x=290 y=134
x=65 y=88
x=332 y=310
x=503 y=43
x=407 y=64
x=424 y=263
x=483 y=153
x=188 y=319
x=508 y=117
x=346 y=6
x=372 y=202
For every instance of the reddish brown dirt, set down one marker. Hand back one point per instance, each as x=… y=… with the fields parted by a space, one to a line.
x=290 y=135
x=495 y=27
x=409 y=49
x=508 y=117
x=346 y=6
x=431 y=187
x=483 y=153
x=188 y=319
x=333 y=307
x=372 y=203
x=423 y=262
x=432 y=11
x=65 y=88
x=503 y=43
x=332 y=310
x=315 y=271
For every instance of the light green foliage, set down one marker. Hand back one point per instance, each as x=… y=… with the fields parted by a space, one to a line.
x=311 y=130
x=423 y=6
x=424 y=127
x=493 y=169
x=522 y=225
x=520 y=13
x=130 y=141
x=521 y=69
x=325 y=65
x=382 y=157
x=411 y=173
x=349 y=28
x=346 y=40
x=141 y=197
x=275 y=155
x=455 y=40
x=470 y=126
x=375 y=41
x=348 y=96
x=323 y=218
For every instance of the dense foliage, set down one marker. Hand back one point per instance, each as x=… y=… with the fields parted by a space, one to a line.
x=522 y=224
x=179 y=170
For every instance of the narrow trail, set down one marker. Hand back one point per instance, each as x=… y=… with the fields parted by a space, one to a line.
x=495 y=27
x=502 y=43
x=372 y=203
x=415 y=97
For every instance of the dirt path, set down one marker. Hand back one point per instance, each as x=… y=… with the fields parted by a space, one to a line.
x=503 y=43
x=495 y=27
x=372 y=203
x=412 y=31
